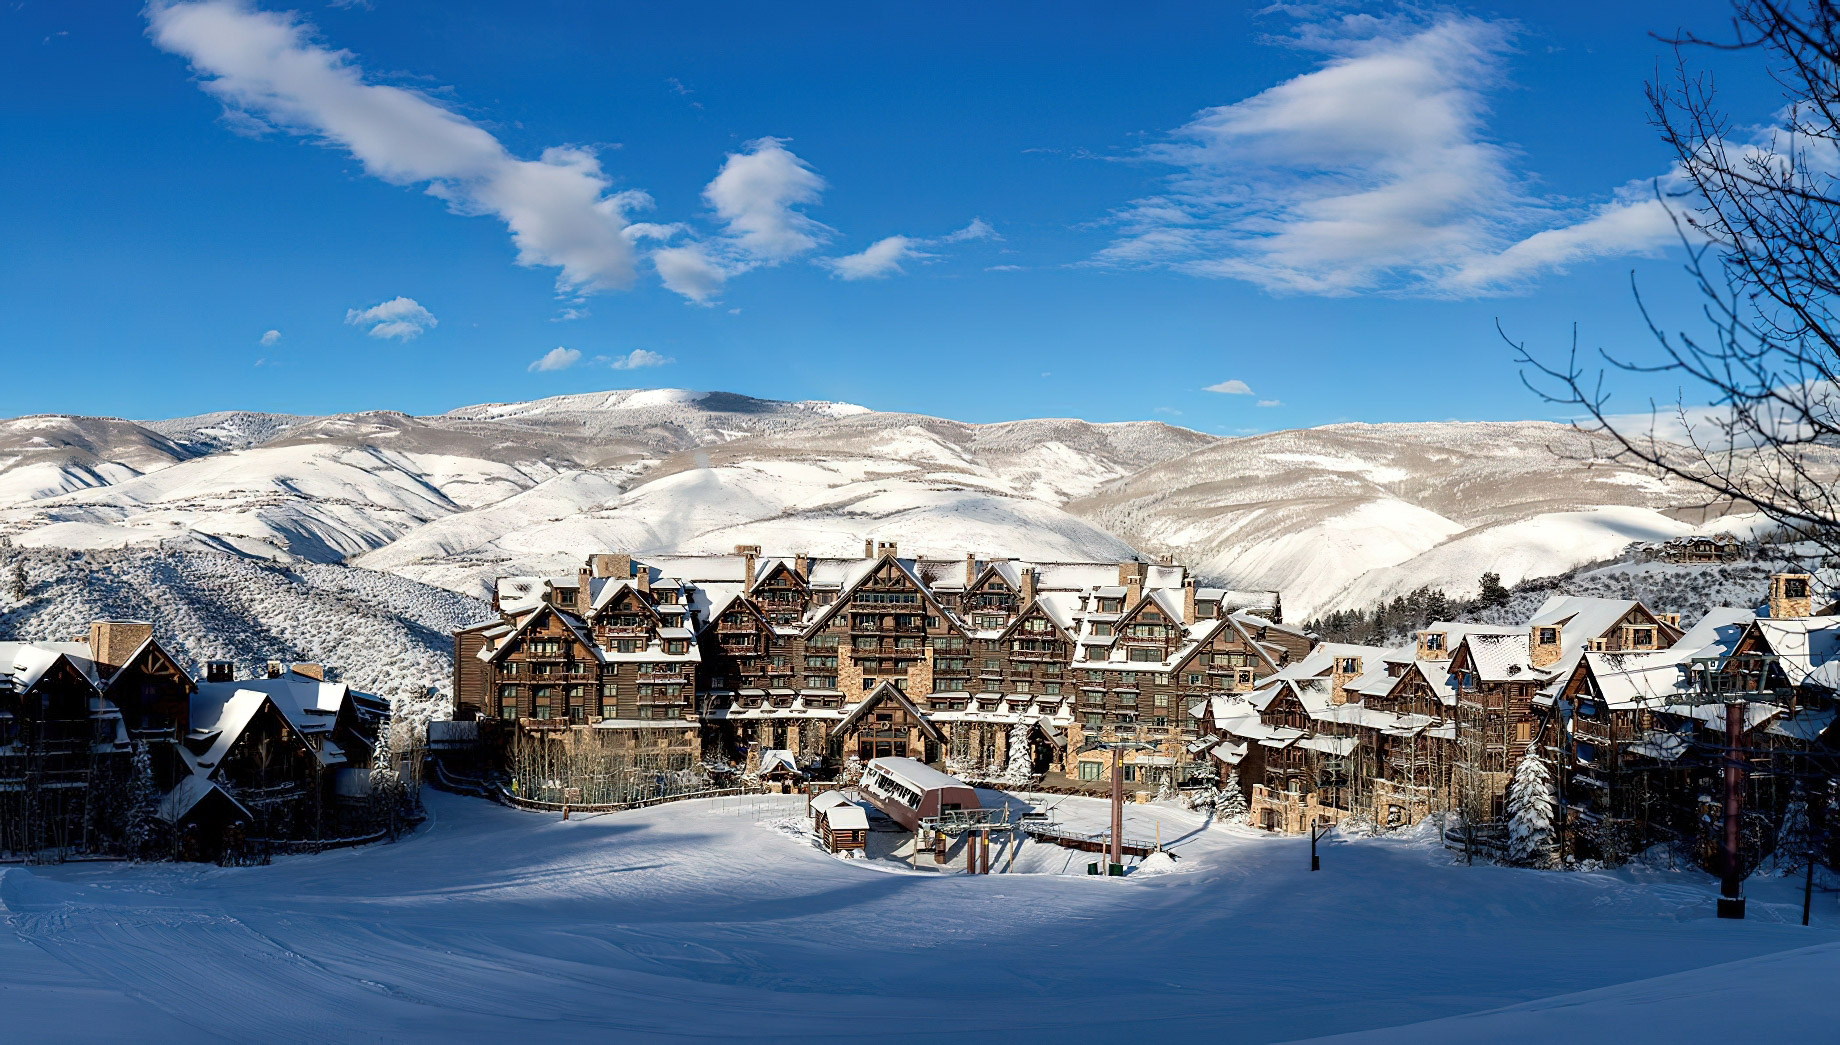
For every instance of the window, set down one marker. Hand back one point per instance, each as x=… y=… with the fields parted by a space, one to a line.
x=645 y=711
x=1101 y=630
x=1052 y=689
x=1162 y=700
x=507 y=693
x=1795 y=587
x=1022 y=687
x=1093 y=722
x=610 y=708
x=508 y=709
x=820 y=682
x=1194 y=680
x=1089 y=770
x=644 y=690
x=1523 y=732
x=1350 y=666
x=676 y=647
x=541 y=697
x=1549 y=636
x=1434 y=640
x=1130 y=773
x=1127 y=698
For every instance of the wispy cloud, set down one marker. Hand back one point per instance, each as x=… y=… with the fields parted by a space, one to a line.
x=267 y=70
x=884 y=256
x=1372 y=173
x=270 y=337
x=569 y=315
x=400 y=318
x=557 y=358
x=637 y=359
x=1269 y=402
x=1232 y=387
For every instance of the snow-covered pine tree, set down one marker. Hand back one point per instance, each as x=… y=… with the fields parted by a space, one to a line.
x=1530 y=811
x=1019 y=769
x=1795 y=839
x=143 y=804
x=1231 y=805
x=17 y=586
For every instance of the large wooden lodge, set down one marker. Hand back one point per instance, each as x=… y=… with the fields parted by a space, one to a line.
x=716 y=658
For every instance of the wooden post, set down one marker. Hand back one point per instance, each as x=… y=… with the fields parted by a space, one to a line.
x=984 y=853
x=1731 y=899
x=1117 y=854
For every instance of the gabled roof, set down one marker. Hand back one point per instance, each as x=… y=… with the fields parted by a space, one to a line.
x=1807 y=648
x=569 y=620
x=866 y=569
x=144 y=649
x=1063 y=627
x=188 y=793
x=887 y=691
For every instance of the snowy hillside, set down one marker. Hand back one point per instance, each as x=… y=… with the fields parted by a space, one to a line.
x=1332 y=516
x=381 y=633
x=1342 y=515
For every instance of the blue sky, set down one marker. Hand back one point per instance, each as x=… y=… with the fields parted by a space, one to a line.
x=971 y=210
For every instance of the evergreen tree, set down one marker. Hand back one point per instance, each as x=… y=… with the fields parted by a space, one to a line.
x=1231 y=805
x=1795 y=839
x=1492 y=593
x=1530 y=811
x=1020 y=767
x=17 y=587
x=143 y=804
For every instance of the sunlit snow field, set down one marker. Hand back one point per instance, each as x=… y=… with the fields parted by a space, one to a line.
x=711 y=920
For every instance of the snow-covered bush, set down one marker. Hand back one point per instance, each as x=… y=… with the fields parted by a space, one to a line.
x=1020 y=767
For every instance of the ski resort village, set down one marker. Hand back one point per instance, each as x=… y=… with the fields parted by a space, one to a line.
x=916 y=522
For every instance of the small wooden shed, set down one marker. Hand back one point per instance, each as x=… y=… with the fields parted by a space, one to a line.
x=841 y=823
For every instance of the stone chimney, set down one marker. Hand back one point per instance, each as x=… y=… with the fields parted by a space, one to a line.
x=1188 y=600
x=274 y=669
x=890 y=548
x=1028 y=584
x=801 y=565
x=617 y=565
x=970 y=569
x=1131 y=575
x=1342 y=670
x=750 y=559
x=1433 y=645
x=584 y=591
x=1672 y=620
x=868 y=547
x=308 y=669
x=220 y=671
x=1545 y=642
x=644 y=578
x=1791 y=595
x=112 y=642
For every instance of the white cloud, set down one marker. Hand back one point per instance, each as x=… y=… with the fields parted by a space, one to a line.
x=1371 y=173
x=881 y=258
x=1269 y=402
x=1167 y=410
x=569 y=315
x=557 y=358
x=267 y=71
x=401 y=318
x=978 y=229
x=1232 y=387
x=756 y=195
x=638 y=358
x=270 y=337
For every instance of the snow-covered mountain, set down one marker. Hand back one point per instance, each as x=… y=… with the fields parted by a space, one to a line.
x=1332 y=516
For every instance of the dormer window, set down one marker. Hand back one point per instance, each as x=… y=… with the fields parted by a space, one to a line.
x=1549 y=636
x=1350 y=666
x=1434 y=640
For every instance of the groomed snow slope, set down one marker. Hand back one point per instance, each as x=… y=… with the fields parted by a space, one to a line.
x=689 y=922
